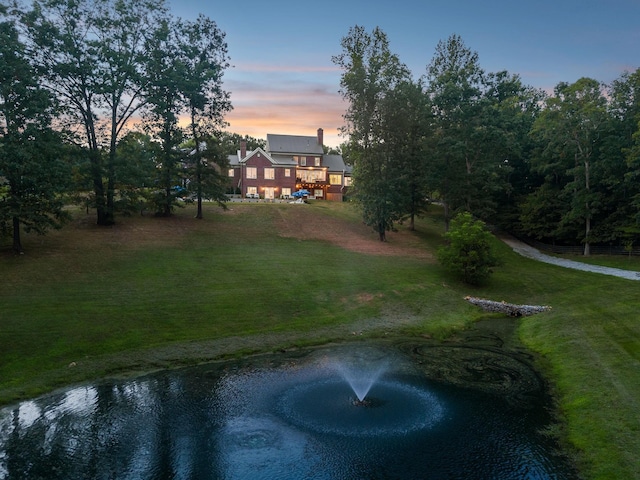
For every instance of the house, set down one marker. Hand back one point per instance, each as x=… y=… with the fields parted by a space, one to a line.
x=287 y=164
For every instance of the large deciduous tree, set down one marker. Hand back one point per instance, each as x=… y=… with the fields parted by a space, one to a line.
x=478 y=122
x=570 y=132
x=92 y=52
x=371 y=72
x=623 y=157
x=454 y=85
x=204 y=58
x=165 y=73
x=32 y=173
x=406 y=127
x=185 y=65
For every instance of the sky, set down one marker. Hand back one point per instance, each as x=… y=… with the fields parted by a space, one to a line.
x=282 y=79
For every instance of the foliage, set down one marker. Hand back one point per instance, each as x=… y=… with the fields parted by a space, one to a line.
x=569 y=132
x=203 y=60
x=92 y=55
x=229 y=142
x=469 y=253
x=32 y=169
x=371 y=73
x=480 y=122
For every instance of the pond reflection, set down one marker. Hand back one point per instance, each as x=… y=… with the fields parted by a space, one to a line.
x=292 y=416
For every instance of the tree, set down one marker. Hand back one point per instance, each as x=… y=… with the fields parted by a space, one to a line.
x=58 y=31
x=468 y=253
x=122 y=28
x=406 y=126
x=92 y=53
x=165 y=72
x=622 y=154
x=370 y=73
x=204 y=59
x=137 y=158
x=32 y=172
x=230 y=142
x=454 y=85
x=569 y=132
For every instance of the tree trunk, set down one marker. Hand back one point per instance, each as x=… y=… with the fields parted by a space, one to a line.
x=587 y=222
x=194 y=132
x=445 y=204
x=587 y=245
x=111 y=175
x=17 y=244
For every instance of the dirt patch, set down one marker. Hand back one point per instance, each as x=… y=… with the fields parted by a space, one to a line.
x=304 y=223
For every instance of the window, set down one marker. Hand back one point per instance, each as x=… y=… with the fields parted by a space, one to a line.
x=252 y=172
x=231 y=172
x=317 y=193
x=287 y=172
x=347 y=181
x=269 y=174
x=286 y=192
x=303 y=161
x=311 y=176
x=252 y=190
x=335 y=179
x=316 y=161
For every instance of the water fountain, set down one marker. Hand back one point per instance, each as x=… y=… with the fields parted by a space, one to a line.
x=353 y=412
x=361 y=374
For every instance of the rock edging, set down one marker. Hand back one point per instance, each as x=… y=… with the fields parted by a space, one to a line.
x=510 y=309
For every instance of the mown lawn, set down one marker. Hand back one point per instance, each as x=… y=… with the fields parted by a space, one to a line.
x=87 y=302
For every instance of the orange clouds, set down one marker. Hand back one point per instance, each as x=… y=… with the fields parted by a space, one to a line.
x=294 y=100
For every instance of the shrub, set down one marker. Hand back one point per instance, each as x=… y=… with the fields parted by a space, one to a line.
x=468 y=252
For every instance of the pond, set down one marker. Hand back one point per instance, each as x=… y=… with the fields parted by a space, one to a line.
x=405 y=410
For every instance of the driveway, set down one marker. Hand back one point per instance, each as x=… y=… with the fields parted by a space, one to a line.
x=530 y=252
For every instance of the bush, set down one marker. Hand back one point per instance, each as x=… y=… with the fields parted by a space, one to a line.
x=468 y=253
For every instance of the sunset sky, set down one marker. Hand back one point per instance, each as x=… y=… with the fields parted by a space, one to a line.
x=283 y=80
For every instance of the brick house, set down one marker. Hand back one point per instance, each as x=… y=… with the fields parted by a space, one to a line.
x=287 y=164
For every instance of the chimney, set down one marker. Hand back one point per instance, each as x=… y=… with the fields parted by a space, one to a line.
x=243 y=149
x=320 y=137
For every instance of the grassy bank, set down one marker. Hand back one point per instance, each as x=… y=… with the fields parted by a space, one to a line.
x=150 y=293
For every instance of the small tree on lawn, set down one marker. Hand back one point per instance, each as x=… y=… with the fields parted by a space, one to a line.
x=468 y=252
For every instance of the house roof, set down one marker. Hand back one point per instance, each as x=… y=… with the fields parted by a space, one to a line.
x=286 y=160
x=235 y=160
x=293 y=144
x=335 y=163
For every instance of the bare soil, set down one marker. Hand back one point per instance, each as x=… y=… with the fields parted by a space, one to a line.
x=303 y=223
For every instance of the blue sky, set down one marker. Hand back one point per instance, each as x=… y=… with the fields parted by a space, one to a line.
x=283 y=79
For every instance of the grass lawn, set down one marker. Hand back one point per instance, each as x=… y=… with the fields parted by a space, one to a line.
x=149 y=293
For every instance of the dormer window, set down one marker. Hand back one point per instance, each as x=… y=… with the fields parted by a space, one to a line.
x=316 y=161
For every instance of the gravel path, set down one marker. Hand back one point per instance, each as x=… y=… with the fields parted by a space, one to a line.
x=530 y=252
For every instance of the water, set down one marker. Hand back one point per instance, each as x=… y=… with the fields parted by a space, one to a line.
x=361 y=369
x=292 y=417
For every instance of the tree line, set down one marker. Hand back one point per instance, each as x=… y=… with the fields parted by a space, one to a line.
x=561 y=168
x=93 y=97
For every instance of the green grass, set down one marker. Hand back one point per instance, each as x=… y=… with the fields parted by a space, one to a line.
x=153 y=293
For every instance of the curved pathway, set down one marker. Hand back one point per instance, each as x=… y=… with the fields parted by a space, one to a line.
x=530 y=252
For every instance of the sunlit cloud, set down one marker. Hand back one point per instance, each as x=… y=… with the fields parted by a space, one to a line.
x=261 y=67
x=291 y=101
